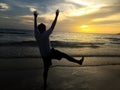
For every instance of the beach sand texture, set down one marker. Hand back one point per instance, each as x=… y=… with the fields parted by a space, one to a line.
x=26 y=74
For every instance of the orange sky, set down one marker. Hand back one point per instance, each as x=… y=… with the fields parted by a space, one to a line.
x=87 y=16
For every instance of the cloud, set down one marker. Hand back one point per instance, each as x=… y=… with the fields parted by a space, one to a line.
x=112 y=17
x=107 y=22
x=46 y=8
x=80 y=2
x=68 y=9
x=32 y=9
x=4 y=7
x=107 y=15
x=72 y=12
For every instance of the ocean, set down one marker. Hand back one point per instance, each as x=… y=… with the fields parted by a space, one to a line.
x=21 y=66
x=21 y=43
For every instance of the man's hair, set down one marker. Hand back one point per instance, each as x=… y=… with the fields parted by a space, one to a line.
x=41 y=27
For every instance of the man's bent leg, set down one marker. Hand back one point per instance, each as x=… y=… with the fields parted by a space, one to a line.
x=58 y=55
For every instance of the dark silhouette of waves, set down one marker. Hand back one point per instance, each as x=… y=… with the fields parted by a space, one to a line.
x=55 y=44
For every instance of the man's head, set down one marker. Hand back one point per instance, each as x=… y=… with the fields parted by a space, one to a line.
x=41 y=28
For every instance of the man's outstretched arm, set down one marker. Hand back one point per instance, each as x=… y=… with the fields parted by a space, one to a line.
x=35 y=20
x=54 y=22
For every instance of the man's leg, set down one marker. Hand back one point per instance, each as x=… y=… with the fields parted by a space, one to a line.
x=47 y=64
x=45 y=75
x=72 y=59
x=58 y=55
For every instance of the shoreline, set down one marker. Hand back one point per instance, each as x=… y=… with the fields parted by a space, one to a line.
x=26 y=74
x=28 y=62
x=9 y=57
x=63 y=78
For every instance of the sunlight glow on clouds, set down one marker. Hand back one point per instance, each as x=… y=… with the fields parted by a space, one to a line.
x=87 y=10
x=73 y=14
x=81 y=2
x=71 y=9
x=4 y=7
x=112 y=17
x=32 y=9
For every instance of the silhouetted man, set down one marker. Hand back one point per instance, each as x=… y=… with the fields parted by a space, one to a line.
x=47 y=52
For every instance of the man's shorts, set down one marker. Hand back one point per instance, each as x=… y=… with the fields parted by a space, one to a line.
x=54 y=54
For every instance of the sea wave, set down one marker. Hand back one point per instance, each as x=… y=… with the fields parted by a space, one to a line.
x=20 y=43
x=38 y=56
x=76 y=44
x=15 y=31
x=68 y=66
x=55 y=44
x=86 y=65
x=115 y=42
x=113 y=39
x=54 y=66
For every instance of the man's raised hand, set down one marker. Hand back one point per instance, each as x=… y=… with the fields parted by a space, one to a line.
x=57 y=12
x=35 y=13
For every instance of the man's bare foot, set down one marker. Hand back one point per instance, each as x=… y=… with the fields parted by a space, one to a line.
x=81 y=61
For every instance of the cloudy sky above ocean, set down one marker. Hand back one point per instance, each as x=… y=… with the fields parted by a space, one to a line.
x=89 y=16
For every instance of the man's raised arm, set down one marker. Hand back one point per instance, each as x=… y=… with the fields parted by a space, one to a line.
x=54 y=22
x=35 y=19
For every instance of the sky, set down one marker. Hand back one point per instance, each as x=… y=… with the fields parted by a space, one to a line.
x=87 y=16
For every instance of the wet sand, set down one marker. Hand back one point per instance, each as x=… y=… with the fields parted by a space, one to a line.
x=26 y=74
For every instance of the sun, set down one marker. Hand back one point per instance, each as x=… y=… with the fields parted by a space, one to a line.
x=84 y=26
x=85 y=29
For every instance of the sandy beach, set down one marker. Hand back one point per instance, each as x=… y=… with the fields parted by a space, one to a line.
x=26 y=74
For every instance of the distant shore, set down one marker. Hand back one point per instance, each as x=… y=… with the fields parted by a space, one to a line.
x=118 y=33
